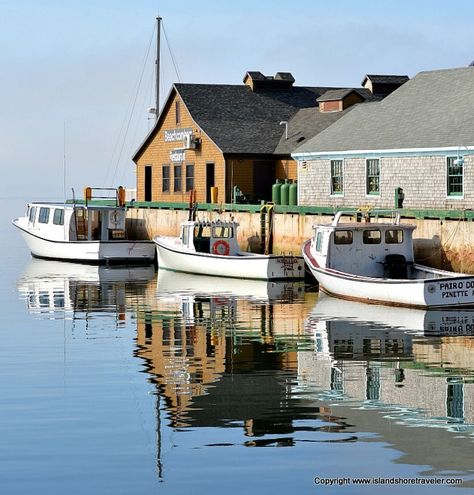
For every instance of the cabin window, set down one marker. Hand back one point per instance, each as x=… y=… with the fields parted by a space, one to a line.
x=223 y=232
x=165 y=178
x=58 y=218
x=319 y=242
x=343 y=237
x=43 y=215
x=455 y=176
x=32 y=214
x=394 y=236
x=373 y=176
x=202 y=231
x=337 y=179
x=371 y=237
x=178 y=178
x=189 y=177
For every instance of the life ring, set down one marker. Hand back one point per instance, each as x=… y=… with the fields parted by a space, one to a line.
x=221 y=248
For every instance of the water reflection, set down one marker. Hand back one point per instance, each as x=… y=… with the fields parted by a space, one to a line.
x=57 y=289
x=266 y=364
x=223 y=341
x=405 y=359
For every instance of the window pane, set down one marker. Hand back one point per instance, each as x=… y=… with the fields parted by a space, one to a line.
x=32 y=214
x=371 y=237
x=165 y=178
x=337 y=180
x=189 y=177
x=373 y=176
x=319 y=241
x=394 y=236
x=455 y=177
x=343 y=237
x=43 y=215
x=223 y=232
x=177 y=178
x=58 y=218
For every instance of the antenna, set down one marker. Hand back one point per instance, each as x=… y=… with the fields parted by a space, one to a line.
x=64 y=161
x=158 y=49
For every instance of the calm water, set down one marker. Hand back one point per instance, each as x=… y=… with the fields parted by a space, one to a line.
x=131 y=382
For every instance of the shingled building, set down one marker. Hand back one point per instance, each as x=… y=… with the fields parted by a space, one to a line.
x=419 y=139
x=219 y=135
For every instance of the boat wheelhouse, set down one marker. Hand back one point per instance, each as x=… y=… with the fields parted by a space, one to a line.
x=211 y=248
x=86 y=232
x=373 y=261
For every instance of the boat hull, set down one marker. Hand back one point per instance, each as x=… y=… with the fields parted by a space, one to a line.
x=450 y=290
x=246 y=266
x=126 y=252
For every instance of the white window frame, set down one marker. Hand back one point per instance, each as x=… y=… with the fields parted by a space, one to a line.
x=454 y=197
x=377 y=194
x=332 y=193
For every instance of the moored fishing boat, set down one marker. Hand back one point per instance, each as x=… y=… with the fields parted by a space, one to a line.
x=211 y=248
x=85 y=232
x=373 y=262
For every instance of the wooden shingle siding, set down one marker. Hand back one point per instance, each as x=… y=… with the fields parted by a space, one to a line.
x=157 y=154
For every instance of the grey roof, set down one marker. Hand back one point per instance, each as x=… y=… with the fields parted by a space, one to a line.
x=433 y=110
x=240 y=120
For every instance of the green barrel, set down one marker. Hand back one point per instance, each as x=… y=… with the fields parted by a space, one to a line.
x=293 y=194
x=276 y=192
x=285 y=193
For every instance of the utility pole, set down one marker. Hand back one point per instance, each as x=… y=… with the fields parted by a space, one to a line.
x=158 y=32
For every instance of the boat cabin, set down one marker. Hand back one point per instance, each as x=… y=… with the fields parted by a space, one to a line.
x=68 y=222
x=371 y=249
x=219 y=237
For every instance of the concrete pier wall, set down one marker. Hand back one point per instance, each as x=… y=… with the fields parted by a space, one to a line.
x=447 y=244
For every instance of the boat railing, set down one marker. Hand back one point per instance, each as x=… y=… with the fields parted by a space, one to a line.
x=366 y=215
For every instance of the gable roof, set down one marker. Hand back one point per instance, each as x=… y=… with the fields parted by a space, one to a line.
x=241 y=121
x=435 y=109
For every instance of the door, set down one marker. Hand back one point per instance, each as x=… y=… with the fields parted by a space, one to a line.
x=148 y=185
x=210 y=177
x=263 y=179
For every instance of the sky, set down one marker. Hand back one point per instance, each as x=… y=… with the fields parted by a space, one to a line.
x=77 y=76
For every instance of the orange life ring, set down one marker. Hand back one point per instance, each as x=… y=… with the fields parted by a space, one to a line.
x=221 y=248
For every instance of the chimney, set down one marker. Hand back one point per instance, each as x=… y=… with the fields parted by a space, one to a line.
x=258 y=82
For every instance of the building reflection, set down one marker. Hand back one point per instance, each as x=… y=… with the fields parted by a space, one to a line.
x=394 y=357
x=223 y=350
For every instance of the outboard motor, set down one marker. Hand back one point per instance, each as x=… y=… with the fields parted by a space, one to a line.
x=396 y=266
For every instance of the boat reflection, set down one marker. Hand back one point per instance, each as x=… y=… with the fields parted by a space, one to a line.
x=57 y=289
x=405 y=360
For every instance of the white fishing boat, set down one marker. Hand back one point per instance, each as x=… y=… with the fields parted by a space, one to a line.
x=87 y=232
x=373 y=262
x=211 y=248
